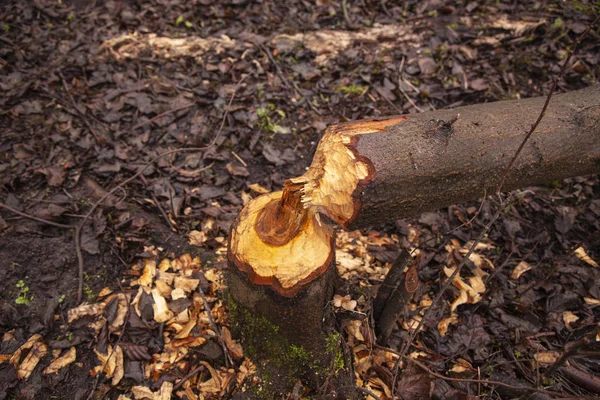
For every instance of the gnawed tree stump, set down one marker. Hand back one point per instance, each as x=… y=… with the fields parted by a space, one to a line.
x=281 y=250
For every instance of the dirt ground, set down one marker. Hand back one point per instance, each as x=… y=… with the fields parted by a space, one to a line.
x=92 y=91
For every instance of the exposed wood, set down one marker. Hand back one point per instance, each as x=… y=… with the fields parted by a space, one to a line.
x=280 y=238
x=424 y=163
x=281 y=250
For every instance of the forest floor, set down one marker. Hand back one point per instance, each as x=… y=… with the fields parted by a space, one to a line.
x=91 y=92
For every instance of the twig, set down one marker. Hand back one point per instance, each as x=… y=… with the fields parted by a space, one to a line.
x=543 y=112
x=162 y=211
x=447 y=378
x=584 y=341
x=368 y=392
x=44 y=221
x=149 y=121
x=214 y=326
x=455 y=273
x=99 y=140
x=126 y=181
x=368 y=80
x=188 y=376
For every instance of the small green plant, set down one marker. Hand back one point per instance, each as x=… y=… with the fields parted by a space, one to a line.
x=268 y=118
x=5 y=27
x=23 y=298
x=352 y=89
x=185 y=22
x=88 y=292
x=61 y=299
x=71 y=17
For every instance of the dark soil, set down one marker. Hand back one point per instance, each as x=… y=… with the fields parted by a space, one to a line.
x=88 y=96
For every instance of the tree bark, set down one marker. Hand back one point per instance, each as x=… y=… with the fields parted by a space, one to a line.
x=281 y=253
x=424 y=164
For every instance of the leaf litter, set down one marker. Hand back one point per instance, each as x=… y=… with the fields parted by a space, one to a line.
x=139 y=84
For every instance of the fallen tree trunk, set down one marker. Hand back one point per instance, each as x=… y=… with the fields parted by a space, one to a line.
x=424 y=163
x=281 y=249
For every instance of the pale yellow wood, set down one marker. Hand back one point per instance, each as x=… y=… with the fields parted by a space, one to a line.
x=280 y=239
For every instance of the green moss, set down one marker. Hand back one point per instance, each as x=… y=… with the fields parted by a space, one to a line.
x=352 y=89
x=264 y=343
x=333 y=346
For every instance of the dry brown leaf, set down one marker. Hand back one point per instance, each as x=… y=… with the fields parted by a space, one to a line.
x=235 y=349
x=37 y=352
x=104 y=292
x=445 y=323
x=144 y=393
x=16 y=356
x=163 y=288
x=111 y=363
x=119 y=366
x=161 y=309
x=569 y=318
x=519 y=270
x=58 y=363
x=463 y=298
x=591 y=301
x=178 y=293
x=187 y=284
x=197 y=238
x=461 y=365
x=164 y=265
x=149 y=273
x=84 y=310
x=186 y=329
x=477 y=284
x=166 y=277
x=583 y=256
x=546 y=357
x=122 y=308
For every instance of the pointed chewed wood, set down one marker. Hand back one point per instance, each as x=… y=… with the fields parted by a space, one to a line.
x=285 y=239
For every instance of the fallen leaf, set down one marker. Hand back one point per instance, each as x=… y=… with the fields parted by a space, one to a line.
x=58 y=363
x=144 y=393
x=160 y=307
x=461 y=365
x=236 y=169
x=582 y=255
x=37 y=352
x=445 y=323
x=187 y=284
x=235 y=349
x=149 y=273
x=519 y=270
x=591 y=301
x=84 y=310
x=546 y=357
x=197 y=238
x=569 y=318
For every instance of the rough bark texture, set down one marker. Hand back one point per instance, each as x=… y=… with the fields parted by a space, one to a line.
x=285 y=336
x=423 y=163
